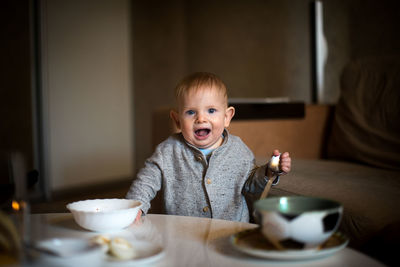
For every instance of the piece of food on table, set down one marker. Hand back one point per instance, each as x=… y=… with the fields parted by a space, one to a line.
x=122 y=249
x=103 y=241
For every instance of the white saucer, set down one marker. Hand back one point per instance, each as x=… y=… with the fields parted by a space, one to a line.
x=147 y=252
x=253 y=243
x=65 y=252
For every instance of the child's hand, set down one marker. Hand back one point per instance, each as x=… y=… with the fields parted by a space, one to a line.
x=137 y=219
x=284 y=163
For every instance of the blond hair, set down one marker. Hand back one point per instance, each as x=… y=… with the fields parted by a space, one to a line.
x=198 y=80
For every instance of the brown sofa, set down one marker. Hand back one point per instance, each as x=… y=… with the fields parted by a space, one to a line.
x=349 y=152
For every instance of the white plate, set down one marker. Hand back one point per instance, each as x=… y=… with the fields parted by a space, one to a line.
x=147 y=252
x=253 y=243
x=66 y=252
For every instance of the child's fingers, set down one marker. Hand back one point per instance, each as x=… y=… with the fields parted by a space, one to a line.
x=275 y=152
x=285 y=162
x=139 y=214
x=285 y=155
x=285 y=168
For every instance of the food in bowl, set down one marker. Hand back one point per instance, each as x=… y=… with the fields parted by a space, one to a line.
x=298 y=222
x=104 y=215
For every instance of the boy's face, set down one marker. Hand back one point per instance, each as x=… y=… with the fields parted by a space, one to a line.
x=202 y=116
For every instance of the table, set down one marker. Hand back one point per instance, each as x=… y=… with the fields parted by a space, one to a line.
x=189 y=241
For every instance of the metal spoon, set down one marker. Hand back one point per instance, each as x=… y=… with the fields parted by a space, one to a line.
x=273 y=164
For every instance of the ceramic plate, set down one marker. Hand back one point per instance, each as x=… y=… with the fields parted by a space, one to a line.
x=253 y=243
x=147 y=252
x=65 y=251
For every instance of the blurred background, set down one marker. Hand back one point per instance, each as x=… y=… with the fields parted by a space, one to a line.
x=80 y=80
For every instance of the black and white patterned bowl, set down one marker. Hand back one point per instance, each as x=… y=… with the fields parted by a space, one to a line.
x=298 y=222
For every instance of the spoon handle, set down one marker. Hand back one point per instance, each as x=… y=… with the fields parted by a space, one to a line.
x=267 y=188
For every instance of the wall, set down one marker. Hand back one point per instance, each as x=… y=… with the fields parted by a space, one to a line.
x=374 y=28
x=159 y=46
x=87 y=91
x=259 y=48
x=247 y=43
x=358 y=29
x=16 y=130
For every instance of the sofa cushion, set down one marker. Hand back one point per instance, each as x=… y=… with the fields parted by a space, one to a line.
x=369 y=195
x=367 y=120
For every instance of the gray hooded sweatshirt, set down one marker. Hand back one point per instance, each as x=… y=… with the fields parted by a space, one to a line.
x=221 y=186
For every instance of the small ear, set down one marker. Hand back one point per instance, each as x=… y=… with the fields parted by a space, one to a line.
x=229 y=113
x=175 y=118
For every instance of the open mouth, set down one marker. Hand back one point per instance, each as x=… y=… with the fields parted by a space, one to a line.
x=202 y=133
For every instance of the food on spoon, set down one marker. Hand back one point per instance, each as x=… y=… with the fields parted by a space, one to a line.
x=274 y=163
x=122 y=249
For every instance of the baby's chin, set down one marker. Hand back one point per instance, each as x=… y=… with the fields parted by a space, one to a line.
x=208 y=145
x=199 y=144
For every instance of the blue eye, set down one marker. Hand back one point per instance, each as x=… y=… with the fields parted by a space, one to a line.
x=190 y=112
x=212 y=110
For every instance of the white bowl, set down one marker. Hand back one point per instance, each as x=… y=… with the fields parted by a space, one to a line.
x=104 y=215
x=67 y=252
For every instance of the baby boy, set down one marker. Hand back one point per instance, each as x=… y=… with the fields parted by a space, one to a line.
x=203 y=171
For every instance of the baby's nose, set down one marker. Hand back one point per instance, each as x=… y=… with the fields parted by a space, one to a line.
x=201 y=117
